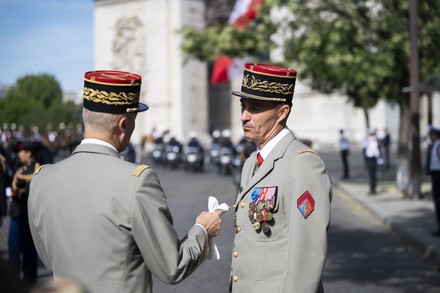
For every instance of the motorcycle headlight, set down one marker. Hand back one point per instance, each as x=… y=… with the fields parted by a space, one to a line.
x=225 y=159
x=192 y=158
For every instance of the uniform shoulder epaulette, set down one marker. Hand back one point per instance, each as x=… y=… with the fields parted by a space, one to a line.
x=37 y=170
x=139 y=169
x=307 y=150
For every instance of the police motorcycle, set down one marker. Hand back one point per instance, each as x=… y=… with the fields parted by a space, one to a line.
x=237 y=167
x=225 y=160
x=158 y=153
x=193 y=159
x=227 y=154
x=173 y=151
x=214 y=149
x=194 y=154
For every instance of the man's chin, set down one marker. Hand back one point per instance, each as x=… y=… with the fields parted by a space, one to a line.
x=247 y=134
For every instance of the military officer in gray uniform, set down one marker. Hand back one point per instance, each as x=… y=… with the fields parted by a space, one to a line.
x=102 y=221
x=282 y=212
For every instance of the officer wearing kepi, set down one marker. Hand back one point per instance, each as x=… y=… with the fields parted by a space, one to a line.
x=104 y=221
x=282 y=212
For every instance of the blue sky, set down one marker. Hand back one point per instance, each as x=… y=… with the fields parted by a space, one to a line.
x=46 y=36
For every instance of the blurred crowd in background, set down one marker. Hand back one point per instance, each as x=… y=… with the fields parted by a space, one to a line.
x=160 y=149
x=23 y=151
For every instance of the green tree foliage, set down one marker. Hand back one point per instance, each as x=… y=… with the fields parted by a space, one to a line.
x=37 y=100
x=219 y=38
x=362 y=47
x=358 y=47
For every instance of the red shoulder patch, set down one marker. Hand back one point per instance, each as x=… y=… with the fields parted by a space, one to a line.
x=306 y=204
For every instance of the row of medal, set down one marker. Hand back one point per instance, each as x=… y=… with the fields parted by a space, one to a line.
x=260 y=215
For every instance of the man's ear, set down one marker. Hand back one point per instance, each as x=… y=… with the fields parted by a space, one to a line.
x=122 y=123
x=283 y=112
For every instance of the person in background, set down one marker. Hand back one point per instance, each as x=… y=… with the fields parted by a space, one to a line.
x=194 y=142
x=45 y=152
x=282 y=212
x=344 y=148
x=103 y=221
x=23 y=257
x=434 y=171
x=372 y=154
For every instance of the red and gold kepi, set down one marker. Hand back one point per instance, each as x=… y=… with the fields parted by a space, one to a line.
x=112 y=91
x=267 y=82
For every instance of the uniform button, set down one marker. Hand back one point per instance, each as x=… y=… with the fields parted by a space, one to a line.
x=242 y=204
x=235 y=278
x=237 y=230
x=235 y=253
x=234 y=206
x=241 y=189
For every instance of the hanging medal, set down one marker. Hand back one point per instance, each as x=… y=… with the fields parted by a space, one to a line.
x=261 y=208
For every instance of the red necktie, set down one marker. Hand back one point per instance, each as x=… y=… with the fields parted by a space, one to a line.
x=259 y=159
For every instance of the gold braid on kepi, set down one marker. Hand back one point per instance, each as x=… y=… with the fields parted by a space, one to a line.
x=112 y=91
x=267 y=82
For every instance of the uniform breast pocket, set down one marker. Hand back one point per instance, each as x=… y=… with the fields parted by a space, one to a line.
x=265 y=214
x=265 y=286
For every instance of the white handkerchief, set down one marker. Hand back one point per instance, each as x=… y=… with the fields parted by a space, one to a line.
x=212 y=206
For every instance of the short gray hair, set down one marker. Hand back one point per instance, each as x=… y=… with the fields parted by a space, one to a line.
x=99 y=122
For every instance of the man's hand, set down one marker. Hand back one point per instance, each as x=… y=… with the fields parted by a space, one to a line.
x=212 y=222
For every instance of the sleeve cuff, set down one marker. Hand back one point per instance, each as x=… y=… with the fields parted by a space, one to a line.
x=206 y=233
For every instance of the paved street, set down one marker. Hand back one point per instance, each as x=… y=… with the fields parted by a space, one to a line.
x=364 y=255
x=187 y=195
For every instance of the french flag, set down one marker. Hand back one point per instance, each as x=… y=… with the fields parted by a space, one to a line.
x=226 y=68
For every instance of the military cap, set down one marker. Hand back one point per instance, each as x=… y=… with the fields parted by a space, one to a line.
x=112 y=91
x=267 y=82
x=433 y=129
x=28 y=146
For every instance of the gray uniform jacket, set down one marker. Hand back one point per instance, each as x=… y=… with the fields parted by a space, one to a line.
x=105 y=222
x=290 y=257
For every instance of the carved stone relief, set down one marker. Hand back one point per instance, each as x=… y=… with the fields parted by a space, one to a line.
x=129 y=45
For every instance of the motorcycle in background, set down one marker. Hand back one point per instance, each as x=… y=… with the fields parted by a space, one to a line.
x=173 y=154
x=173 y=150
x=194 y=160
x=214 y=154
x=158 y=154
x=225 y=161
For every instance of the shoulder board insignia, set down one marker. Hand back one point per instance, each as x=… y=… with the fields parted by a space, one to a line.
x=37 y=170
x=139 y=169
x=307 y=150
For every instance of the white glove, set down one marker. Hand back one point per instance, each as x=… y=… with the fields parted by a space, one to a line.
x=212 y=206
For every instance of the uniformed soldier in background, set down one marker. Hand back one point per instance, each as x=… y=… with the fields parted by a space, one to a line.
x=23 y=257
x=104 y=221
x=282 y=213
